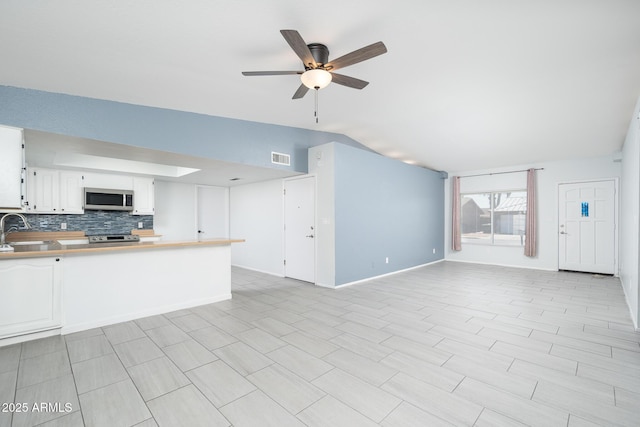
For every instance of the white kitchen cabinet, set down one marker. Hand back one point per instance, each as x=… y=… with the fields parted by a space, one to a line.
x=110 y=181
x=42 y=190
x=11 y=169
x=71 y=192
x=143 y=196
x=53 y=191
x=30 y=295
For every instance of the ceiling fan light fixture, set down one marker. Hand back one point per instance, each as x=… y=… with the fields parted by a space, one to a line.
x=316 y=78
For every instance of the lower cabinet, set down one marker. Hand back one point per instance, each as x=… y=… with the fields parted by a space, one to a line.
x=30 y=295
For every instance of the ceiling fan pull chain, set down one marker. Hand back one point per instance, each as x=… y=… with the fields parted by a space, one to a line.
x=316 y=106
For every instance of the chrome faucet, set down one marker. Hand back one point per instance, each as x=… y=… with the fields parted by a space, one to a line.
x=2 y=220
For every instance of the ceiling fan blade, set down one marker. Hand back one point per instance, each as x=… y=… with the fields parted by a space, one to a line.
x=348 y=81
x=269 y=73
x=299 y=46
x=356 y=56
x=302 y=91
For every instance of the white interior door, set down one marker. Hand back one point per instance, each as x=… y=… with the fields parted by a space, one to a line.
x=587 y=227
x=299 y=215
x=213 y=212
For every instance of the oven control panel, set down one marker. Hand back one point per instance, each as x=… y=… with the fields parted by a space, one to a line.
x=110 y=238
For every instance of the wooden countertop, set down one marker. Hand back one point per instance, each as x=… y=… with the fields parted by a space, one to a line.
x=57 y=249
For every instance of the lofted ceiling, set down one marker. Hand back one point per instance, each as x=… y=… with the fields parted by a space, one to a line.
x=466 y=84
x=48 y=150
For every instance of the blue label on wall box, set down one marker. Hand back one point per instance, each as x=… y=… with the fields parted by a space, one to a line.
x=585 y=208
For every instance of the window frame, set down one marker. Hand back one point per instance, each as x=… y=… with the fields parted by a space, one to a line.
x=492 y=240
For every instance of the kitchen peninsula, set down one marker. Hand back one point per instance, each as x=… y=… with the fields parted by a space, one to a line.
x=57 y=288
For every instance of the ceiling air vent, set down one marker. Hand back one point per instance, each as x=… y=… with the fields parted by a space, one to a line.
x=280 y=159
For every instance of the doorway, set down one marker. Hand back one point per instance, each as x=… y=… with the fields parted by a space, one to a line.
x=212 y=212
x=299 y=228
x=587 y=226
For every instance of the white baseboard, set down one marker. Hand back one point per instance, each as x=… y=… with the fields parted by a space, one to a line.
x=368 y=279
x=633 y=315
x=258 y=270
x=324 y=285
x=501 y=265
x=29 y=337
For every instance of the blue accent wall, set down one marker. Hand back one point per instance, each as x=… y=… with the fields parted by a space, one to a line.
x=238 y=141
x=384 y=208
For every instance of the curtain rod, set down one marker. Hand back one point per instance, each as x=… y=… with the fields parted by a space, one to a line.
x=499 y=173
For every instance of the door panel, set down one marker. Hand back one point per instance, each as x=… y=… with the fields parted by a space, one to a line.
x=213 y=212
x=586 y=218
x=299 y=229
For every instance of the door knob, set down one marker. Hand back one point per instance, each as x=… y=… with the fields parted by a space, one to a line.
x=310 y=235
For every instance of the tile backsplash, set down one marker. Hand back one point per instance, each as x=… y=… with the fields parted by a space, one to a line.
x=91 y=222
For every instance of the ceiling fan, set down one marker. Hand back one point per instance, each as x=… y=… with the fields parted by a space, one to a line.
x=318 y=70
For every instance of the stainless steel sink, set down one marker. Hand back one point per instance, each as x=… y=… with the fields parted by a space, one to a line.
x=31 y=242
x=33 y=246
x=6 y=249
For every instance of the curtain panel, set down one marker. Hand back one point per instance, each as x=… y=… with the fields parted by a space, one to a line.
x=456 y=236
x=530 y=229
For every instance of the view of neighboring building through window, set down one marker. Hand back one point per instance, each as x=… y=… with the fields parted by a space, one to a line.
x=494 y=218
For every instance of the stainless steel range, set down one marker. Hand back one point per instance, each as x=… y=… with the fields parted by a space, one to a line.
x=114 y=238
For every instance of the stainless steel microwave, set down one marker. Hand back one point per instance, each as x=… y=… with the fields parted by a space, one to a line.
x=108 y=200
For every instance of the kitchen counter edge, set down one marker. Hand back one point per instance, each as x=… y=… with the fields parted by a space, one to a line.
x=96 y=248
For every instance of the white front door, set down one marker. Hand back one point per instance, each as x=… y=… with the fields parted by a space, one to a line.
x=213 y=212
x=299 y=217
x=587 y=226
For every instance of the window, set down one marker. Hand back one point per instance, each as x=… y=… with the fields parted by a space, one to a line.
x=496 y=218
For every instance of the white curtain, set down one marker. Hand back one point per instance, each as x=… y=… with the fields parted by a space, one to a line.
x=530 y=230
x=456 y=236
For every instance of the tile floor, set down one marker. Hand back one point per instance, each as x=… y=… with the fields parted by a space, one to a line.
x=447 y=344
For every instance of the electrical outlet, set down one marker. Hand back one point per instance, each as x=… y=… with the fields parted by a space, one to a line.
x=63 y=226
x=434 y=250
x=140 y=225
x=386 y=260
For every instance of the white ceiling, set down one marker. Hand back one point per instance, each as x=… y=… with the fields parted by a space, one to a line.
x=48 y=150
x=466 y=84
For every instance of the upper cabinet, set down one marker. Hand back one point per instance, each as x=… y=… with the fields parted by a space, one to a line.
x=53 y=191
x=11 y=169
x=71 y=192
x=143 y=196
x=42 y=191
x=105 y=180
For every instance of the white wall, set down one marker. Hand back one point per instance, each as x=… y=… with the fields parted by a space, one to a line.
x=547 y=190
x=175 y=211
x=630 y=218
x=257 y=215
x=177 y=207
x=321 y=164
